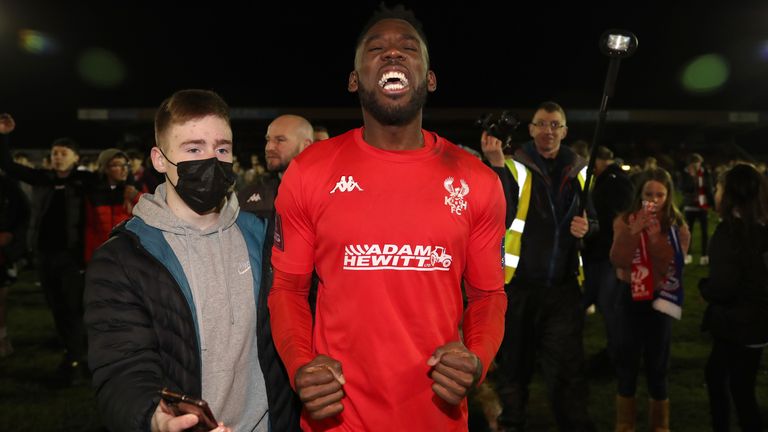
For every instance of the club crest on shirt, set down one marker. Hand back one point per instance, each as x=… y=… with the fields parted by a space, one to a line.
x=456 y=194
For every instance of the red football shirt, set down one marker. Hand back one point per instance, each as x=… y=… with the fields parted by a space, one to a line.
x=391 y=234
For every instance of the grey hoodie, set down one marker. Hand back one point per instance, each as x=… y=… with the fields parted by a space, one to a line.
x=216 y=264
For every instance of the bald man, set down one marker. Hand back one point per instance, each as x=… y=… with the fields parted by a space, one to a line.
x=286 y=137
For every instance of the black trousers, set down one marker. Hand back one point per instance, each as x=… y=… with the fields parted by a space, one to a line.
x=691 y=216
x=544 y=324
x=643 y=334
x=63 y=282
x=731 y=374
x=601 y=289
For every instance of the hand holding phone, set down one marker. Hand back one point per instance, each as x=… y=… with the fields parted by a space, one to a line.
x=179 y=404
x=649 y=206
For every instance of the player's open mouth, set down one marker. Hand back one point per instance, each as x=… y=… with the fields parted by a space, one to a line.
x=393 y=81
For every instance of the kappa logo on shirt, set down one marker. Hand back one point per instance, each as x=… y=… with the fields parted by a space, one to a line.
x=256 y=197
x=346 y=184
x=396 y=257
x=455 y=199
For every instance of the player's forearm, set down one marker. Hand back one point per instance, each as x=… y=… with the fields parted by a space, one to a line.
x=484 y=323
x=291 y=320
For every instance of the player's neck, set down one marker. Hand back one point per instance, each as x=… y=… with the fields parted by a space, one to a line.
x=404 y=137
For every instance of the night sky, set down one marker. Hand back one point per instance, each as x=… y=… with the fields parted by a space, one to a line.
x=291 y=55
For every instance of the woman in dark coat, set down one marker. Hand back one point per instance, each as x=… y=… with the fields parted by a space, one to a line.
x=737 y=293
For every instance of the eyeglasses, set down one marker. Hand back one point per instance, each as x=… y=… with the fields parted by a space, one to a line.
x=554 y=124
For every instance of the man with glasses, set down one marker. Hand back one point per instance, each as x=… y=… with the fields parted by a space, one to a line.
x=542 y=183
x=109 y=200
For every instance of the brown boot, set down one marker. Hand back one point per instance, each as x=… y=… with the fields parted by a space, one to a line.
x=625 y=414
x=658 y=415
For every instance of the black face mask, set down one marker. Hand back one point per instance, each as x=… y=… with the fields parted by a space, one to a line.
x=203 y=184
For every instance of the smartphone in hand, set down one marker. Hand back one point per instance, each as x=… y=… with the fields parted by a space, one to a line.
x=649 y=206
x=180 y=404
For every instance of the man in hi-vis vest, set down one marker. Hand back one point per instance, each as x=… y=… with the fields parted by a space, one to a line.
x=544 y=318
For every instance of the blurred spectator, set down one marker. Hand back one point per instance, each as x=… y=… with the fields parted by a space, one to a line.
x=255 y=172
x=737 y=293
x=696 y=187
x=320 y=133
x=22 y=158
x=611 y=194
x=14 y=221
x=59 y=220
x=581 y=148
x=108 y=202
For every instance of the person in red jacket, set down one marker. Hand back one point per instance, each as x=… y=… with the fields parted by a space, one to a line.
x=110 y=201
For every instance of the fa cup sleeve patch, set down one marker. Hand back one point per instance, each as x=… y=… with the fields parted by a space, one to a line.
x=502 y=253
x=279 y=244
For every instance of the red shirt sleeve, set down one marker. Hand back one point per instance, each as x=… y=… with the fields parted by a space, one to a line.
x=293 y=250
x=291 y=320
x=293 y=262
x=483 y=323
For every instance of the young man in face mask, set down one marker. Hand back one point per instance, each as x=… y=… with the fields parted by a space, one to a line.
x=171 y=297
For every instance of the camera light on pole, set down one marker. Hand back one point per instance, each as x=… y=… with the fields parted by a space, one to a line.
x=616 y=45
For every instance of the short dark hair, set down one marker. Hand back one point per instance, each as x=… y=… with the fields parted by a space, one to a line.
x=550 y=107
x=694 y=157
x=398 y=12
x=68 y=143
x=581 y=148
x=134 y=154
x=185 y=105
x=603 y=153
x=745 y=190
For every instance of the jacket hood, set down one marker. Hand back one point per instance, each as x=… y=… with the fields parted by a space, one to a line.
x=154 y=211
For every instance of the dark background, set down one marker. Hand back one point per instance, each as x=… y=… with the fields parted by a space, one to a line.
x=283 y=54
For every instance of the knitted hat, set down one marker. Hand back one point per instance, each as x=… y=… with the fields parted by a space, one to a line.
x=106 y=156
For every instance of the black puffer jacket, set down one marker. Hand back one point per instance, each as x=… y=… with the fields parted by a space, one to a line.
x=737 y=286
x=155 y=343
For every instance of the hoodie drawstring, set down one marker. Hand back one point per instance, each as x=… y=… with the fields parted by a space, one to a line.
x=193 y=282
x=226 y=282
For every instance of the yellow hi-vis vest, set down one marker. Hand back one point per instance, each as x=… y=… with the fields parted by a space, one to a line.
x=513 y=239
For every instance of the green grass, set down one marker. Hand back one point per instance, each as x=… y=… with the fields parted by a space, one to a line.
x=29 y=401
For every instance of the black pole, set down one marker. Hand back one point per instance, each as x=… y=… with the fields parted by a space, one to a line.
x=610 y=84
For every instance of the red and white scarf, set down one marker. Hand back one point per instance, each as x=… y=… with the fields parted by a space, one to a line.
x=668 y=298
x=702 y=195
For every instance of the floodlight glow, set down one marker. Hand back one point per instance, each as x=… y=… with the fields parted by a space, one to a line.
x=618 y=43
